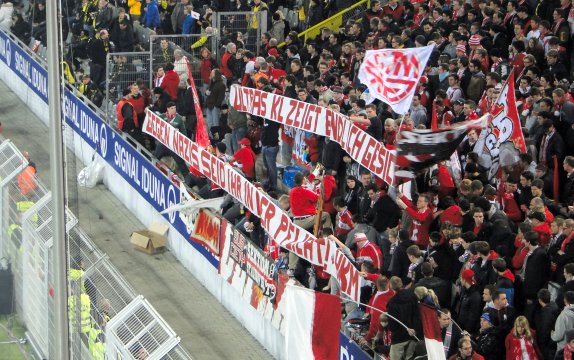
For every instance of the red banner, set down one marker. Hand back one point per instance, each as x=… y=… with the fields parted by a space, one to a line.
x=320 y=252
x=362 y=147
x=206 y=231
x=201 y=136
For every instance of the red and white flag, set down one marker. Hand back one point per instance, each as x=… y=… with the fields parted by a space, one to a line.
x=502 y=140
x=201 y=136
x=431 y=330
x=392 y=75
x=312 y=324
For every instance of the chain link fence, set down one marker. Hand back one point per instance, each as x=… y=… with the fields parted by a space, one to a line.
x=98 y=294
x=122 y=70
x=240 y=27
x=181 y=50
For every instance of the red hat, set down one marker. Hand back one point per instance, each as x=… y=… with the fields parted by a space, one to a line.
x=245 y=141
x=468 y=276
x=461 y=48
x=360 y=237
x=474 y=40
x=273 y=52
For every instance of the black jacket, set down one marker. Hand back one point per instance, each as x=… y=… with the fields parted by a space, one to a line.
x=404 y=307
x=270 y=133
x=503 y=319
x=444 y=258
x=488 y=344
x=469 y=308
x=440 y=287
x=384 y=214
x=353 y=198
x=536 y=273
x=544 y=320
x=400 y=261
x=332 y=156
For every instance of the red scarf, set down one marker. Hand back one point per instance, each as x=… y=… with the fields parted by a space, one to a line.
x=568 y=350
x=517 y=349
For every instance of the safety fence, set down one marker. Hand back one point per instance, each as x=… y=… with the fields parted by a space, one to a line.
x=181 y=50
x=336 y=21
x=243 y=27
x=122 y=70
x=98 y=295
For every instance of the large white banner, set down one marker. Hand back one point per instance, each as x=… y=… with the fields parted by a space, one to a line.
x=360 y=146
x=320 y=252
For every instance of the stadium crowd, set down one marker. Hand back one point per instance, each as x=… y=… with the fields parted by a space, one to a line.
x=496 y=256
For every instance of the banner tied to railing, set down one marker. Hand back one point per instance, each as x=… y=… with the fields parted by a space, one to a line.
x=360 y=146
x=320 y=252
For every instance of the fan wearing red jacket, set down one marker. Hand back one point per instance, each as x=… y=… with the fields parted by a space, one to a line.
x=343 y=220
x=377 y=305
x=365 y=248
x=170 y=82
x=422 y=217
x=540 y=225
x=509 y=203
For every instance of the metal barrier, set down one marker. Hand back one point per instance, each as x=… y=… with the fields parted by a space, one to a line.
x=336 y=21
x=176 y=49
x=250 y=25
x=96 y=287
x=122 y=70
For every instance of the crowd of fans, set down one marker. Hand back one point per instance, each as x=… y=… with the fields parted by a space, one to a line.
x=495 y=255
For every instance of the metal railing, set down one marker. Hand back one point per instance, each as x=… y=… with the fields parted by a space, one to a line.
x=122 y=70
x=336 y=21
x=26 y=240
x=250 y=26
x=163 y=49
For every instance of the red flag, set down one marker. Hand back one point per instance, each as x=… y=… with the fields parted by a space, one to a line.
x=432 y=332
x=201 y=137
x=433 y=124
x=505 y=127
x=555 y=180
x=312 y=324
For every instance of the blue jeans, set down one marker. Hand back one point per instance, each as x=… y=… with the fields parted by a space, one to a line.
x=270 y=162
x=212 y=118
x=236 y=135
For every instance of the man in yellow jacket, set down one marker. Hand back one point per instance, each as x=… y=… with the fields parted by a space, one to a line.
x=135 y=9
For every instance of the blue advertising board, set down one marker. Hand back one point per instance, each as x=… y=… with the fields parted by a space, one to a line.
x=139 y=172
x=349 y=350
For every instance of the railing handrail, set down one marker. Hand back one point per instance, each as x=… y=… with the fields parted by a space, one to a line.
x=326 y=21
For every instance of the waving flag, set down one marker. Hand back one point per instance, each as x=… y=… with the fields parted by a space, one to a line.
x=419 y=149
x=504 y=128
x=312 y=324
x=392 y=75
x=201 y=136
x=432 y=332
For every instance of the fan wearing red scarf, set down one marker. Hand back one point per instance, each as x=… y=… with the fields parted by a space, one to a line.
x=568 y=351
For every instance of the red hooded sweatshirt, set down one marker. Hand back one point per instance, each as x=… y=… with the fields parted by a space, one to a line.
x=543 y=231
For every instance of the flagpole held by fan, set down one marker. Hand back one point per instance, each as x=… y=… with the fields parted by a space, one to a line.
x=319 y=172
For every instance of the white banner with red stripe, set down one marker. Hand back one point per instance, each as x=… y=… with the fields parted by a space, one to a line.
x=320 y=252
x=313 y=320
x=360 y=146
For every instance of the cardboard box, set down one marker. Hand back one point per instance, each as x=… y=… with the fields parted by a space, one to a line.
x=152 y=240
